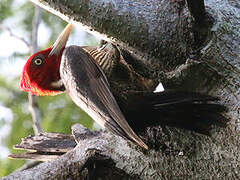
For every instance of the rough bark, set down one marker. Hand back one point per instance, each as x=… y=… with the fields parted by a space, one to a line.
x=97 y=155
x=185 y=54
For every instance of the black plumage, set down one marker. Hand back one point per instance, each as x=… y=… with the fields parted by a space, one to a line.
x=92 y=88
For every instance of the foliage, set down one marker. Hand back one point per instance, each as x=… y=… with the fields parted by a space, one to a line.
x=5 y=9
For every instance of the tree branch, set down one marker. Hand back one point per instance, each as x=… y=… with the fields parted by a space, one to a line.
x=33 y=104
x=16 y=36
x=95 y=156
x=35 y=25
x=152 y=30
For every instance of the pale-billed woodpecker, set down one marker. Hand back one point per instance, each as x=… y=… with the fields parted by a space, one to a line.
x=112 y=92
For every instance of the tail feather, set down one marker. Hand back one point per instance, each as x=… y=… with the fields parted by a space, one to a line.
x=191 y=111
x=174 y=97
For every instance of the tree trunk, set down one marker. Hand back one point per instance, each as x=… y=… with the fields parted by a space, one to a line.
x=199 y=53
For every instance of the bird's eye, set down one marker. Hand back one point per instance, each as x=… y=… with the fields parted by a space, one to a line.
x=38 y=61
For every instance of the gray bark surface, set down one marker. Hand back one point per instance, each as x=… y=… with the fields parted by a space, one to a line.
x=196 y=57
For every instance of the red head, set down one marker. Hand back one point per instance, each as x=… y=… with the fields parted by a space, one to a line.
x=40 y=74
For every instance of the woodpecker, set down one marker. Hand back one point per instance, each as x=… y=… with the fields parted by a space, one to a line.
x=88 y=75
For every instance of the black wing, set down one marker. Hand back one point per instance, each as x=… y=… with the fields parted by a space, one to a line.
x=88 y=87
